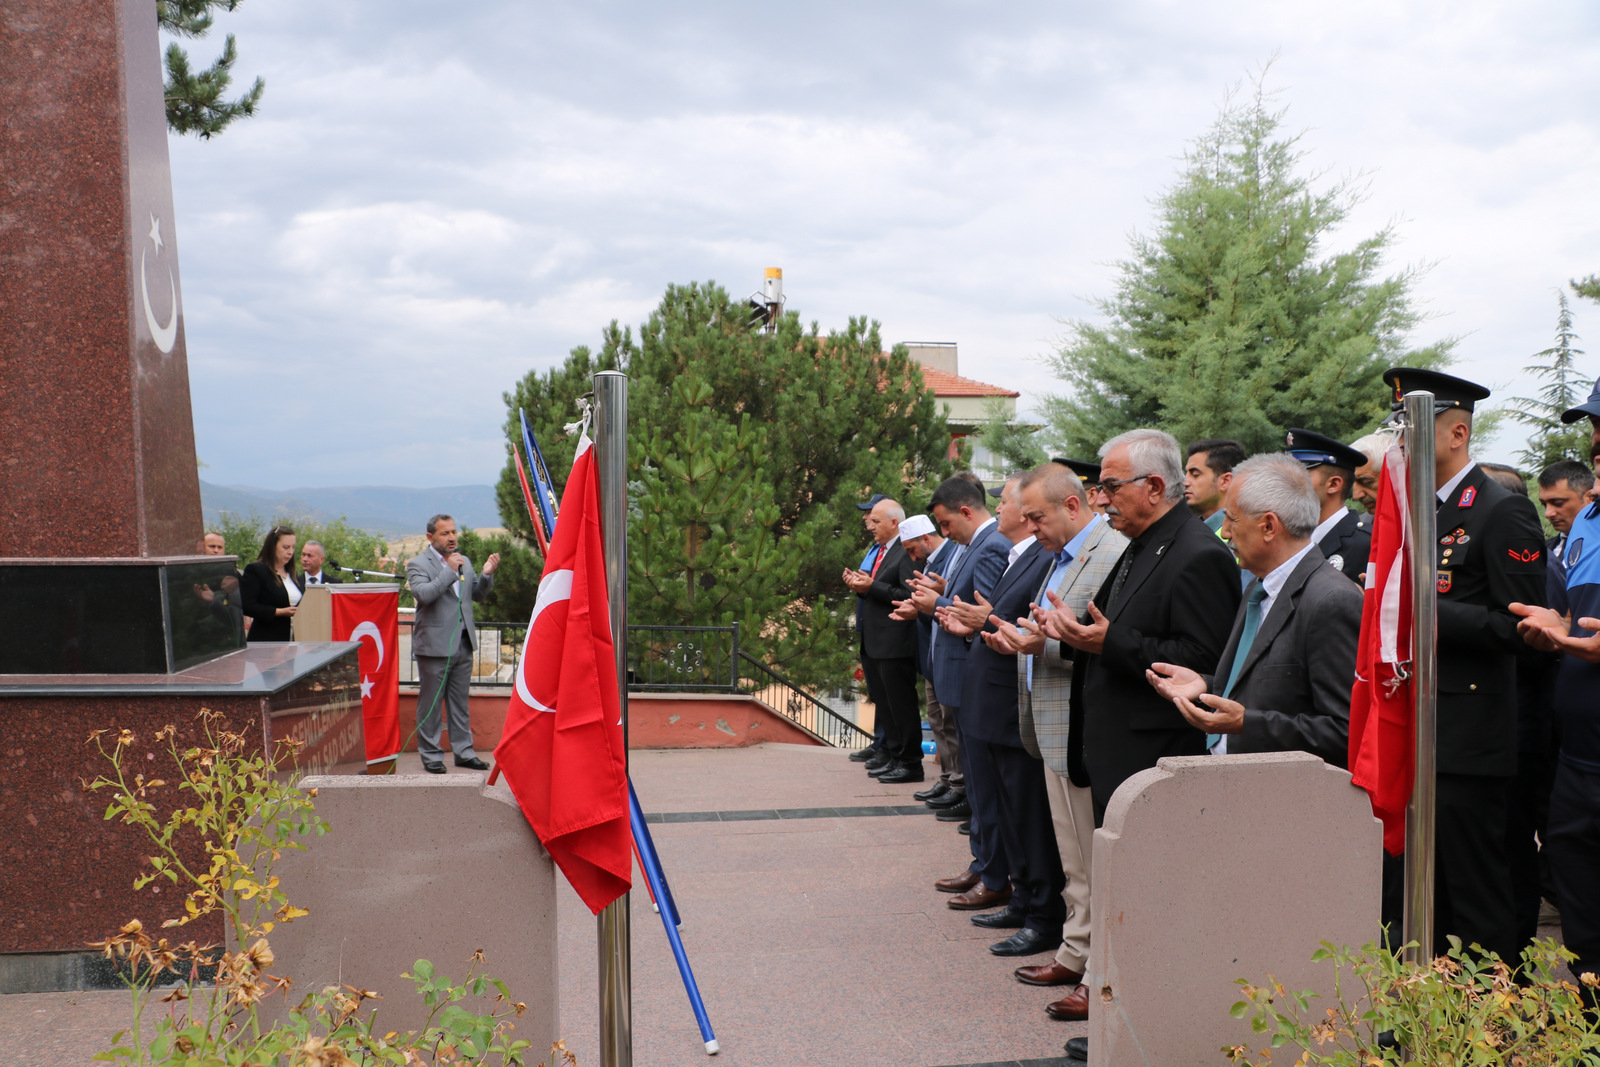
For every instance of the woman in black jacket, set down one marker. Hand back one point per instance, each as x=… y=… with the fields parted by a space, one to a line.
x=268 y=590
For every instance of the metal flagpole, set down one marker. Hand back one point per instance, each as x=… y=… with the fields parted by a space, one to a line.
x=613 y=923
x=1422 y=501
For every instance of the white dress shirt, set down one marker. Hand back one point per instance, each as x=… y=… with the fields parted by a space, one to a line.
x=1018 y=549
x=1273 y=583
x=1448 y=489
x=1325 y=527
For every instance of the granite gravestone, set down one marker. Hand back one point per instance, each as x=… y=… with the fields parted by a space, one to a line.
x=105 y=621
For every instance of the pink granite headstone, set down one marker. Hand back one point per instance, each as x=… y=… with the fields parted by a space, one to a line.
x=99 y=455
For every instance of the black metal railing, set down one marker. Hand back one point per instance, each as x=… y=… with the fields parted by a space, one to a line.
x=499 y=646
x=797 y=705
x=703 y=659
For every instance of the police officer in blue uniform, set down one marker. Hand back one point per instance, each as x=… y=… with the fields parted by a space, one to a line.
x=1344 y=536
x=1491 y=553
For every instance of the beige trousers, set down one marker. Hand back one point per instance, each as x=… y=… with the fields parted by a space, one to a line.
x=1072 y=815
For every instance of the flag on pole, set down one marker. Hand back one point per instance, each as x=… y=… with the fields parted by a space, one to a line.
x=1382 y=712
x=373 y=618
x=562 y=751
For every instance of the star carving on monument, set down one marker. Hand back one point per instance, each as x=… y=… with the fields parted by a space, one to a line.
x=366 y=686
x=155 y=232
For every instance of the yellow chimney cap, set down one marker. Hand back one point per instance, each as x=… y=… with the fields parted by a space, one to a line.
x=774 y=272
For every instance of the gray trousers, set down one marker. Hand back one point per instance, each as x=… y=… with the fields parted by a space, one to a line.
x=431 y=671
x=944 y=741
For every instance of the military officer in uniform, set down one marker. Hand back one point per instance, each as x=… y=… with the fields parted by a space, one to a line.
x=1491 y=553
x=1344 y=536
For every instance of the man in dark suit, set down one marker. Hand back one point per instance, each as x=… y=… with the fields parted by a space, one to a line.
x=1491 y=554
x=960 y=509
x=312 y=557
x=1171 y=599
x=1283 y=680
x=889 y=647
x=1344 y=536
x=1020 y=808
x=933 y=554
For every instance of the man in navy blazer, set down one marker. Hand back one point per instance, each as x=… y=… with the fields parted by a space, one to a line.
x=933 y=554
x=995 y=754
x=959 y=507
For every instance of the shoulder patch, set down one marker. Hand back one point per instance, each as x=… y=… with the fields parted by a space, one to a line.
x=1524 y=556
x=1336 y=561
x=1573 y=553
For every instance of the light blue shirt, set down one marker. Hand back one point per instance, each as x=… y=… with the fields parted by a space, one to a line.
x=1062 y=560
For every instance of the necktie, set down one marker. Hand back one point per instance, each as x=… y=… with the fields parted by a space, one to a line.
x=878 y=562
x=1122 y=576
x=1063 y=560
x=1247 y=637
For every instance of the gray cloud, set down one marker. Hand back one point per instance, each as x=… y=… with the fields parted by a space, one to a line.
x=430 y=206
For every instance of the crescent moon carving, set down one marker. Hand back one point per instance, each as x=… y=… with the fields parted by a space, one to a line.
x=369 y=629
x=165 y=336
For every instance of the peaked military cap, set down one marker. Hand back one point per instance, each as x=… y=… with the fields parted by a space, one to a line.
x=1585 y=410
x=1315 y=449
x=1088 y=472
x=1448 y=391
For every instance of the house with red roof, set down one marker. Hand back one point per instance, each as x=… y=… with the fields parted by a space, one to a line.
x=966 y=402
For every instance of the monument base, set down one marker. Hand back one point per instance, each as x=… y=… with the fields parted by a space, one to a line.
x=67 y=874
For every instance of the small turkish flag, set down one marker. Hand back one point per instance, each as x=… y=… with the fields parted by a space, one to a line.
x=562 y=752
x=1382 y=713
x=374 y=620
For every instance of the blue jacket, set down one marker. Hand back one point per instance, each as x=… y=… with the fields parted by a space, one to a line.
x=980 y=567
x=935 y=564
x=989 y=708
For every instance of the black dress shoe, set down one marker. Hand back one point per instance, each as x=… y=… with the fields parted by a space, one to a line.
x=959 y=812
x=1026 y=942
x=903 y=772
x=1078 y=1049
x=965 y=829
x=949 y=800
x=865 y=754
x=1009 y=917
x=433 y=766
x=472 y=763
x=878 y=770
x=940 y=788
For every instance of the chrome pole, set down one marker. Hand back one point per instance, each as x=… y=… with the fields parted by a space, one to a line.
x=1420 y=813
x=614 y=921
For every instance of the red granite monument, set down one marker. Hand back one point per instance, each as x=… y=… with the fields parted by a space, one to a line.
x=108 y=617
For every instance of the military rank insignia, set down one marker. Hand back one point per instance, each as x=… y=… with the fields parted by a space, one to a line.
x=1468 y=495
x=1444 y=581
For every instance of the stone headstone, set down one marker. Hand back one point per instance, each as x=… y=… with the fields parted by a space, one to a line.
x=417 y=866
x=99 y=458
x=1213 y=868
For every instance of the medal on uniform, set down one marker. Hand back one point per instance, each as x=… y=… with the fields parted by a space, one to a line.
x=1444 y=581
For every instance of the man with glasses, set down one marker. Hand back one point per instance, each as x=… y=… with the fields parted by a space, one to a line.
x=1171 y=599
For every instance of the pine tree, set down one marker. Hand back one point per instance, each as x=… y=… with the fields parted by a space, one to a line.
x=1565 y=387
x=195 y=101
x=750 y=452
x=1016 y=444
x=1588 y=288
x=1229 y=321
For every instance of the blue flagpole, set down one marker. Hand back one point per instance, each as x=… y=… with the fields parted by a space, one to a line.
x=647 y=847
x=545 y=488
x=652 y=872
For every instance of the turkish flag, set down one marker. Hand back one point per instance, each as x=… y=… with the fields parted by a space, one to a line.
x=562 y=752
x=1383 y=730
x=373 y=618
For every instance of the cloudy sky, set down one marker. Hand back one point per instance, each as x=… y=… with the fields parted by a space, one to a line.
x=434 y=201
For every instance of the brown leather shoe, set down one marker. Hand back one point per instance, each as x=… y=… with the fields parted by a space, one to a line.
x=979 y=897
x=1072 y=1008
x=1051 y=973
x=959 y=884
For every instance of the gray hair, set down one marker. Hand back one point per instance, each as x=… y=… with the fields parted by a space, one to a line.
x=1277 y=482
x=1152 y=452
x=308 y=544
x=893 y=509
x=433 y=523
x=1375 y=445
x=1057 y=482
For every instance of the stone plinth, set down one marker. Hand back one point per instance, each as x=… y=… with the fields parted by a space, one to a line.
x=422 y=866
x=66 y=874
x=1214 y=868
x=99 y=457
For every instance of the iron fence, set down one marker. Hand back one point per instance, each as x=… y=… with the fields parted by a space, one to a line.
x=798 y=705
x=684 y=658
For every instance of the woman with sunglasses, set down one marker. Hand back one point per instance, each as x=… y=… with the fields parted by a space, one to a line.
x=269 y=591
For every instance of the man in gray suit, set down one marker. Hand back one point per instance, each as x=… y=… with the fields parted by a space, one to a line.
x=442 y=639
x=1085 y=550
x=1283 y=680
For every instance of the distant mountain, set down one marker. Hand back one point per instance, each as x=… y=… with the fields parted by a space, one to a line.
x=381 y=509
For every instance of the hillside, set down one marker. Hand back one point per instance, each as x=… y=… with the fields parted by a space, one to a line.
x=388 y=510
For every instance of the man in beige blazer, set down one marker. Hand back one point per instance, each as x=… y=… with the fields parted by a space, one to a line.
x=1086 y=550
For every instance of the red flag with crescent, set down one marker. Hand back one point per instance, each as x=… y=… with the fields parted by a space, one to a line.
x=373 y=618
x=1382 y=713
x=562 y=752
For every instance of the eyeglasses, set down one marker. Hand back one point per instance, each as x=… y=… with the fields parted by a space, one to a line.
x=1109 y=486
